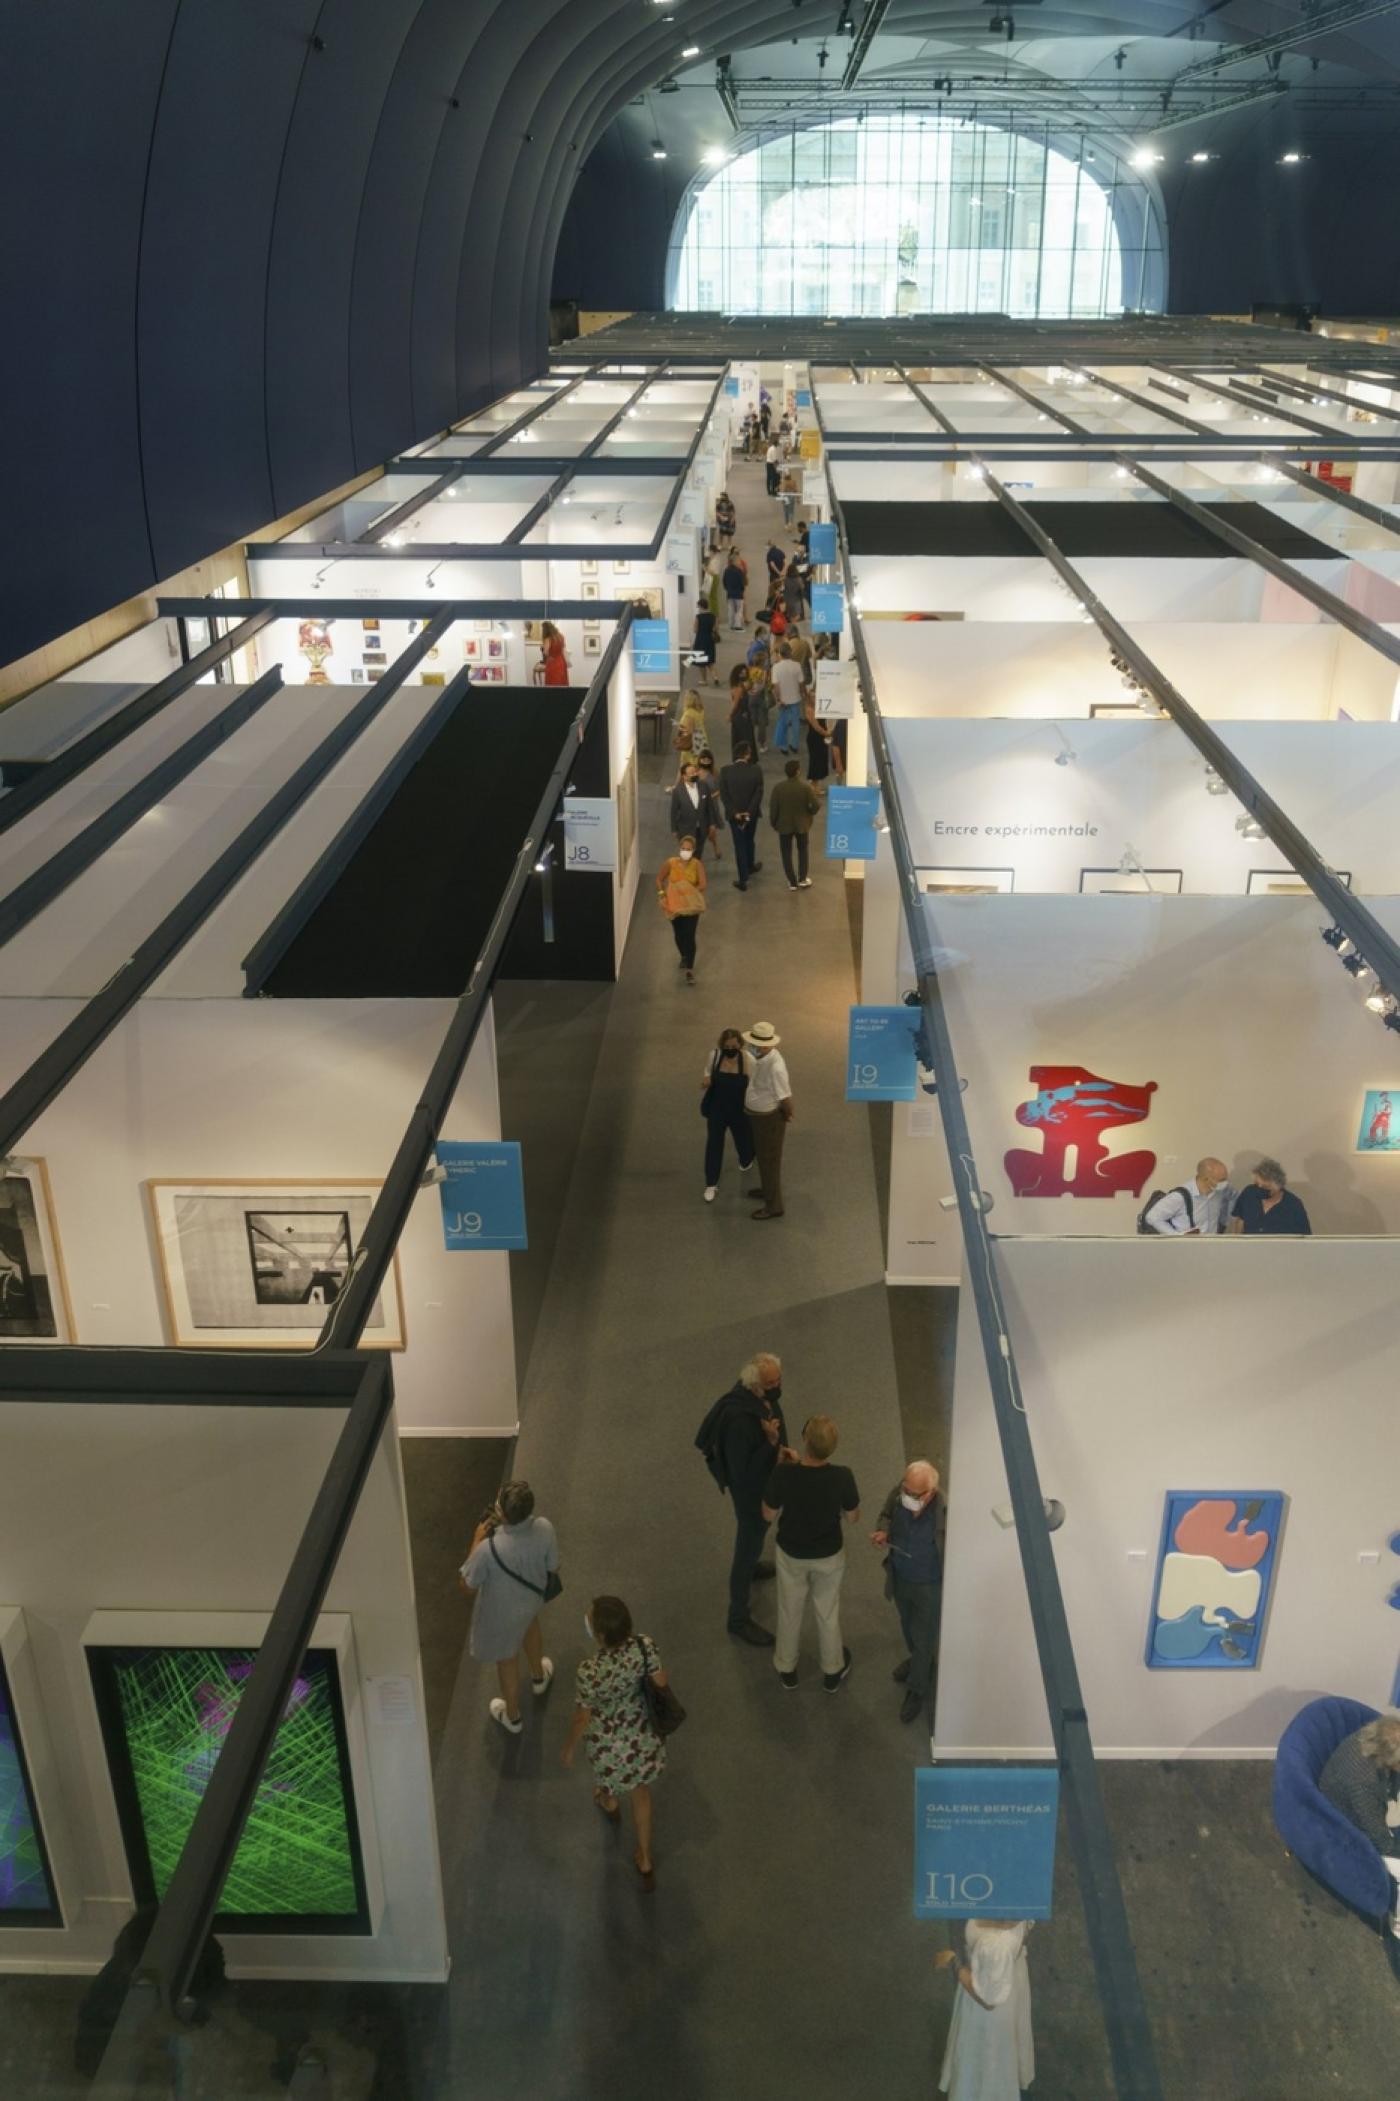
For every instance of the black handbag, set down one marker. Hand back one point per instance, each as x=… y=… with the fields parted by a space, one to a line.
x=664 y=1710
x=553 y=1582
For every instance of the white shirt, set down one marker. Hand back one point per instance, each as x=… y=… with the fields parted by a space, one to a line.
x=768 y=1083
x=787 y=681
x=1211 y=1211
x=771 y=456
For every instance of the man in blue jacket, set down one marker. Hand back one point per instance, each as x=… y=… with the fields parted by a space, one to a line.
x=913 y=1529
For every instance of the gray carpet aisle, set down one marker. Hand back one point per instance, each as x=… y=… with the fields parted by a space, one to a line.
x=783 y=1822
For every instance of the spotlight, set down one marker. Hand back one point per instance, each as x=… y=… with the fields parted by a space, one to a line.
x=1214 y=784
x=1392 y=1021
x=1290 y=160
x=1380 y=1002
x=1353 y=964
x=1333 y=936
x=1250 y=828
x=714 y=155
x=658 y=151
x=393 y=539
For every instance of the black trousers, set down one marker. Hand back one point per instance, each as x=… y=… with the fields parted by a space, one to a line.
x=750 y=1531
x=785 y=845
x=742 y=835
x=685 y=926
x=722 y=1117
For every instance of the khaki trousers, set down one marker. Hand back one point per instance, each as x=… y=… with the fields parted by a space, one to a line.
x=768 y=1133
x=821 y=1582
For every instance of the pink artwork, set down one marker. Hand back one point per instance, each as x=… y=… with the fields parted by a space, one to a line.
x=1071 y=1110
x=1210 y=1527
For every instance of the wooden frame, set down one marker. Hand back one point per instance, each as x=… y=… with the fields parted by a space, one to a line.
x=40 y=1227
x=1284 y=882
x=965 y=882
x=233 y=1240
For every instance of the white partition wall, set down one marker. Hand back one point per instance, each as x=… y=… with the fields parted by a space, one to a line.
x=177 y=1510
x=1239 y=1367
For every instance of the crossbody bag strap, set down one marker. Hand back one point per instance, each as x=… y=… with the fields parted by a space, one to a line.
x=535 y=1587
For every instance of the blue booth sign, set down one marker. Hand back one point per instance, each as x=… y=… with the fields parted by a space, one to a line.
x=804 y=397
x=651 y=646
x=731 y=386
x=483 y=1197
x=851 y=817
x=984 y=1841
x=828 y=606
x=882 y=1054
x=821 y=545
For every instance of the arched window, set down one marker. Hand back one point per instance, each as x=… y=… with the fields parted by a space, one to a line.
x=902 y=212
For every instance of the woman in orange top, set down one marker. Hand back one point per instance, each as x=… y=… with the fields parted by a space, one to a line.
x=556 y=663
x=680 y=892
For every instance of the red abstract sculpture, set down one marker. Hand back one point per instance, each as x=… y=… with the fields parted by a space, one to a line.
x=1072 y=1108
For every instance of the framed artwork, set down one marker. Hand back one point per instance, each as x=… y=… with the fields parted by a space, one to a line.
x=1215 y=1572
x=1131 y=882
x=1375 y=1133
x=649 y=600
x=534 y=631
x=256 y=1265
x=1112 y=707
x=371 y=676
x=966 y=882
x=471 y=648
x=593 y=627
x=1284 y=882
x=433 y=678
x=483 y=627
x=593 y=645
x=371 y=627
x=588 y=569
x=374 y=656
x=28 y=1896
x=590 y=590
x=496 y=647
x=165 y=1712
x=34 y=1303
x=627 y=812
x=622 y=568
x=487 y=674
x=357 y=676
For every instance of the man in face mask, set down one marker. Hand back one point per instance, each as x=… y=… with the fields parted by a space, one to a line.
x=911 y=1532
x=752 y=1438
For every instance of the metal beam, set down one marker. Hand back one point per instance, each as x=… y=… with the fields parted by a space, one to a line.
x=870 y=21
x=1153 y=408
x=56 y=773
x=52 y=877
x=1310 y=389
x=366 y=1274
x=1239 y=390
x=1013 y=386
x=1326 y=21
x=561 y=481
x=1342 y=497
x=28 y=1096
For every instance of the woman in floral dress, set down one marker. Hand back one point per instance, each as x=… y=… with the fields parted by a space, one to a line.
x=611 y=1718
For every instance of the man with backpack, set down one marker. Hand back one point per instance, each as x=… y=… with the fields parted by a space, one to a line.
x=1199 y=1207
x=743 y=1438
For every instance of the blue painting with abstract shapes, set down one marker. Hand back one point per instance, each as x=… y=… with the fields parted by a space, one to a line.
x=1215 y=1572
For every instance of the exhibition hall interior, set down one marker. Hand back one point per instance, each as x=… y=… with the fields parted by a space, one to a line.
x=625 y=619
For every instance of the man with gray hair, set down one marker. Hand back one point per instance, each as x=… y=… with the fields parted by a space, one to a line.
x=1362 y=1780
x=912 y=1529
x=1200 y=1206
x=1268 y=1205
x=743 y=1438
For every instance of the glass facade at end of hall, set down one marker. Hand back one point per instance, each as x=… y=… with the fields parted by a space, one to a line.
x=899 y=212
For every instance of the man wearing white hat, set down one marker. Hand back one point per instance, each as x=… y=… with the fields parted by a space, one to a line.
x=768 y=1106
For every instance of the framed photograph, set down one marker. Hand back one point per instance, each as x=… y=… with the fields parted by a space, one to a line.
x=371 y=676
x=1284 y=882
x=357 y=676
x=622 y=568
x=587 y=569
x=374 y=656
x=593 y=627
x=256 y=1265
x=966 y=882
x=496 y=646
x=34 y=1303
x=590 y=590
x=28 y=1896
x=371 y=627
x=1133 y=882
x=471 y=648
x=433 y=678
x=593 y=645
x=649 y=601
x=1112 y=707
x=483 y=627
x=1215 y=1571
x=1378 y=1132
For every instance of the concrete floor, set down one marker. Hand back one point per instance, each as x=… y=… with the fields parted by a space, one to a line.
x=778 y=1957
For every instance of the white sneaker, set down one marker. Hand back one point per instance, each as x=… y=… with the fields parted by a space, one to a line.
x=711 y=1193
x=806 y=883
x=540 y=1686
x=497 y=1711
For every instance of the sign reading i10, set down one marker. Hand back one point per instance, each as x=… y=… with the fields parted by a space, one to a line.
x=984 y=1841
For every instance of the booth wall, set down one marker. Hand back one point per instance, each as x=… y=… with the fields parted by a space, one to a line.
x=199 y=1509
x=1257 y=1365
x=191 y=1090
x=1249 y=1026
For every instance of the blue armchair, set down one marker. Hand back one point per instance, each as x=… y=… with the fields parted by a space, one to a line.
x=1327 y=1843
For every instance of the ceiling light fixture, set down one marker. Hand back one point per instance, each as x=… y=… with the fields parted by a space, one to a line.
x=1290 y=160
x=1198 y=158
x=658 y=151
x=1144 y=157
x=691 y=51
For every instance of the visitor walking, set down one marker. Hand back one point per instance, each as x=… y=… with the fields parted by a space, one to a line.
x=612 y=1721
x=693 y=814
x=810 y=1501
x=787 y=495
x=741 y=790
x=990 y=2054
x=741 y=722
x=911 y=1529
x=742 y=1439
x=709 y=778
x=680 y=891
x=723 y=1085
x=735 y=583
x=770 y=1111
x=772 y=459
x=726 y=517
x=511 y=1558
x=702 y=644
x=789 y=692
x=554 y=660
x=791 y=808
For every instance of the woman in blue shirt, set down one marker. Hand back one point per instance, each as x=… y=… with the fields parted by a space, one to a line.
x=1268 y=1205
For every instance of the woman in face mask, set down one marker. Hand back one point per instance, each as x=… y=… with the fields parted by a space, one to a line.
x=611 y=1720
x=680 y=892
x=724 y=1083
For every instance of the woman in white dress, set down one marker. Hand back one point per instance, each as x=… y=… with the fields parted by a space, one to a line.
x=990 y=2054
